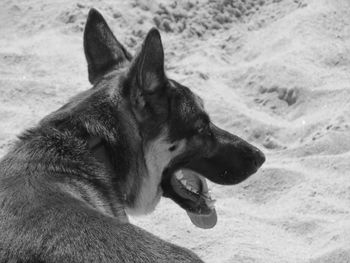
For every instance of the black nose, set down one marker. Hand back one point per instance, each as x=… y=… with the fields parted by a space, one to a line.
x=259 y=158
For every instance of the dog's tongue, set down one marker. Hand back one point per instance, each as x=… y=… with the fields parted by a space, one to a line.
x=203 y=221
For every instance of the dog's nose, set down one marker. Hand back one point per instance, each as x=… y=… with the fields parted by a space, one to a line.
x=259 y=158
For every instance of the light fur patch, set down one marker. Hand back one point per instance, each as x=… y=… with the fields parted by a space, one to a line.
x=157 y=156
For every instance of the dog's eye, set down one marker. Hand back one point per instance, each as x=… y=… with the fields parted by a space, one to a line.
x=203 y=126
x=173 y=148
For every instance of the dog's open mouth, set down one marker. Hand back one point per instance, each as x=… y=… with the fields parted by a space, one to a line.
x=190 y=191
x=192 y=186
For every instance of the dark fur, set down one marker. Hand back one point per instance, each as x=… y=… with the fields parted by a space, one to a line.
x=60 y=203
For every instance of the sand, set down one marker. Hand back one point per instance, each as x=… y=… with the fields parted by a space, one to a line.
x=275 y=72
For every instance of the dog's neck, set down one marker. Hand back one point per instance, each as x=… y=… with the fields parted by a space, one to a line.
x=98 y=150
x=139 y=189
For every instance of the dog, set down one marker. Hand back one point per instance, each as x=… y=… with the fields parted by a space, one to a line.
x=68 y=184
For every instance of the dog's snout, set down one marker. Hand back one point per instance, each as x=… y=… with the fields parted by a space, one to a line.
x=259 y=158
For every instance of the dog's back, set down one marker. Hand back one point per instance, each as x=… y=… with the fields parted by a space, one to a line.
x=43 y=218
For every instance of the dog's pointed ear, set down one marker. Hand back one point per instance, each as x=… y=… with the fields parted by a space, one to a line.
x=102 y=50
x=147 y=69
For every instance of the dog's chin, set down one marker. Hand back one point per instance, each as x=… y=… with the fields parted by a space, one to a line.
x=189 y=190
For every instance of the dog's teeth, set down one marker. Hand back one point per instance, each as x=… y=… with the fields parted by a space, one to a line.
x=211 y=203
x=186 y=184
x=179 y=175
x=208 y=195
x=183 y=181
x=191 y=189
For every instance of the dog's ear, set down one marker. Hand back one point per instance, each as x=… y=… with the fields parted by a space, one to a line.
x=102 y=50
x=147 y=69
x=147 y=79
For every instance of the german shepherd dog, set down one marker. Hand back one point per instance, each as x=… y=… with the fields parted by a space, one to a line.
x=67 y=185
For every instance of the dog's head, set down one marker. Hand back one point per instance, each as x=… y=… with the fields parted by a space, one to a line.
x=181 y=145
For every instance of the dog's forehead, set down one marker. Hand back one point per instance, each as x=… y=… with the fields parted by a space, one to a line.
x=189 y=98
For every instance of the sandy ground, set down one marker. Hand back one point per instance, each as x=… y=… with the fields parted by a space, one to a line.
x=275 y=72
